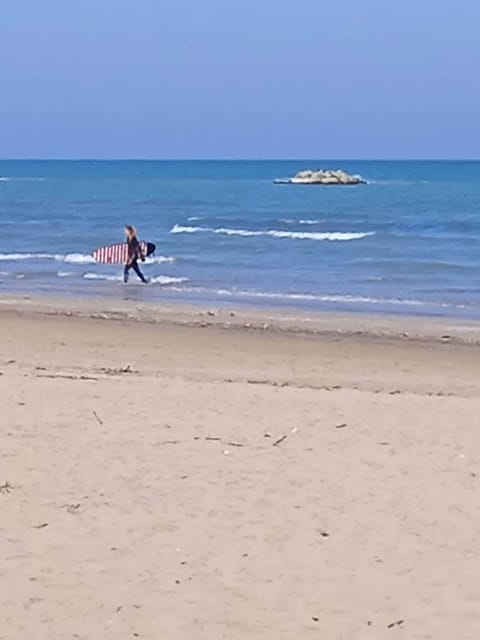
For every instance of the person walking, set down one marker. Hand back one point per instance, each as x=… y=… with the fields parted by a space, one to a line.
x=134 y=254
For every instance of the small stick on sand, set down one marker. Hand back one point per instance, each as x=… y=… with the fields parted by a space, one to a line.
x=6 y=487
x=395 y=624
x=100 y=422
x=66 y=377
x=280 y=440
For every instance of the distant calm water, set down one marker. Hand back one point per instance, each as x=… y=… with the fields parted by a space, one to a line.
x=407 y=242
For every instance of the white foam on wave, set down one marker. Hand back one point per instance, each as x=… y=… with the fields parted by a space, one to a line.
x=71 y=258
x=320 y=298
x=311 y=297
x=14 y=257
x=402 y=302
x=21 y=179
x=178 y=228
x=332 y=236
x=76 y=258
x=333 y=298
x=101 y=276
x=167 y=280
x=164 y=280
x=64 y=274
x=160 y=260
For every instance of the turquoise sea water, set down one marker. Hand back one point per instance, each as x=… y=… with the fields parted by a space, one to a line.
x=409 y=241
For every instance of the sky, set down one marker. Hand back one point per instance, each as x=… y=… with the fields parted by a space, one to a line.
x=246 y=79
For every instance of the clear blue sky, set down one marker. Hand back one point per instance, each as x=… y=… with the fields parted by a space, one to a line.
x=248 y=79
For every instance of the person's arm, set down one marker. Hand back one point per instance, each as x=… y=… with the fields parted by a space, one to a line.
x=130 y=252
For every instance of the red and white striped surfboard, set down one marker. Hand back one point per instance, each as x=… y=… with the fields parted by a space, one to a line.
x=116 y=253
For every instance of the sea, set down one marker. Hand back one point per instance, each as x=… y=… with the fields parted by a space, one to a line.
x=227 y=236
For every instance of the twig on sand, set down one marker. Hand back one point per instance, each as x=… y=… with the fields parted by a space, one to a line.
x=341 y=426
x=65 y=376
x=99 y=420
x=398 y=623
x=40 y=526
x=279 y=441
x=217 y=439
x=6 y=487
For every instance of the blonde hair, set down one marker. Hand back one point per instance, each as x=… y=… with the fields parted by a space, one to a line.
x=132 y=232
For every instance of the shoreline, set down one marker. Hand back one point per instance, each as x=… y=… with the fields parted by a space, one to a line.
x=174 y=290
x=396 y=327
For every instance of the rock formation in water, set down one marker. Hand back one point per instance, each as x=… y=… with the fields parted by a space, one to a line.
x=322 y=176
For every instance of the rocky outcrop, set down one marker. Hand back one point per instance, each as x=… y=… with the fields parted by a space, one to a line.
x=322 y=176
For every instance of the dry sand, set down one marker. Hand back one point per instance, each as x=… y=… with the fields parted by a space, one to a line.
x=166 y=474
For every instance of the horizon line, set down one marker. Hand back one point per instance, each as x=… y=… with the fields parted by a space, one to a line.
x=226 y=159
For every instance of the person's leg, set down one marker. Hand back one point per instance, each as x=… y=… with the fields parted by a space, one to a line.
x=125 y=273
x=136 y=268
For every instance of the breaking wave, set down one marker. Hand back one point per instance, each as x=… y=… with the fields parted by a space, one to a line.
x=119 y=278
x=167 y=280
x=71 y=258
x=334 y=236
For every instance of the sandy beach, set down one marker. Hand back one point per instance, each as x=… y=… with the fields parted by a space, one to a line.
x=190 y=473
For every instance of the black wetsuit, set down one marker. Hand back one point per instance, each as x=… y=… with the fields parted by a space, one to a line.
x=134 y=253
